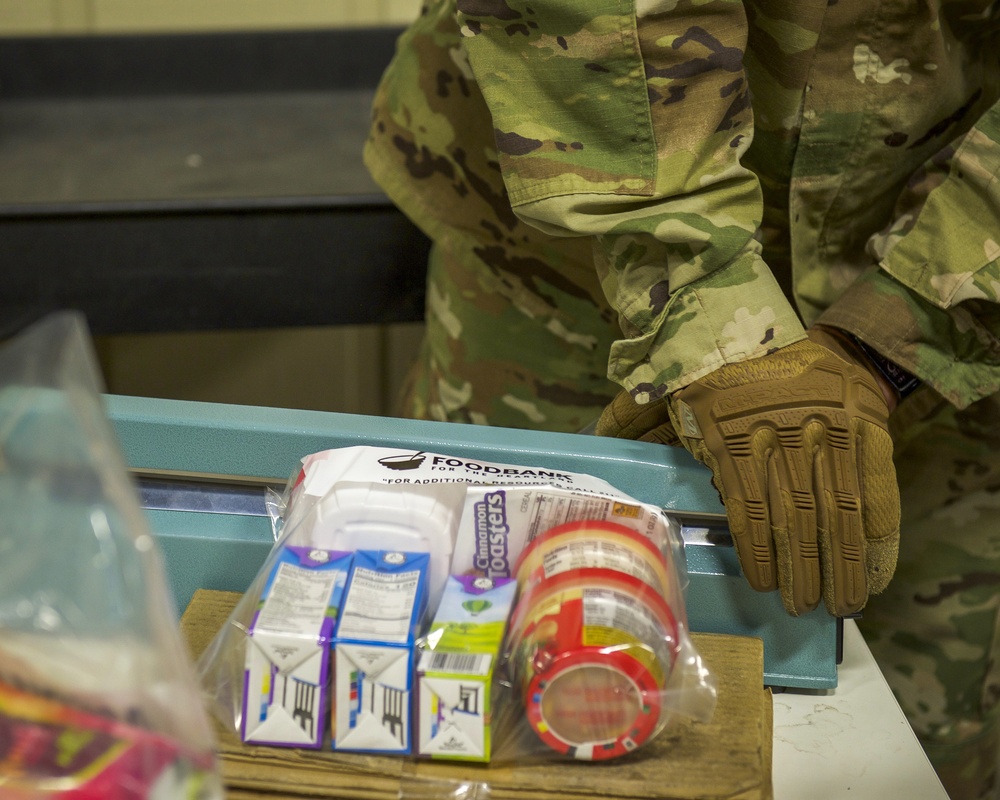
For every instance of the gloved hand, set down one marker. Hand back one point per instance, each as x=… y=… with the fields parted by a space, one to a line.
x=799 y=450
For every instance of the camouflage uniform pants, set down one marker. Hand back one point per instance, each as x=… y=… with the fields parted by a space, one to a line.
x=518 y=334
x=496 y=357
x=935 y=632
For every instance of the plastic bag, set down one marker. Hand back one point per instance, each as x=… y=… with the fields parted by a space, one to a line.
x=97 y=696
x=513 y=613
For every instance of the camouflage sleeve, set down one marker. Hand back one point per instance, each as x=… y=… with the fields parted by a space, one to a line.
x=933 y=307
x=630 y=127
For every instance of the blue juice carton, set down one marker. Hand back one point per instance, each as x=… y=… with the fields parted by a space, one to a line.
x=286 y=687
x=374 y=649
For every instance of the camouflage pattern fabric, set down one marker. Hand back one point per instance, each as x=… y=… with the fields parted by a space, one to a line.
x=493 y=353
x=518 y=329
x=869 y=123
x=935 y=632
x=735 y=171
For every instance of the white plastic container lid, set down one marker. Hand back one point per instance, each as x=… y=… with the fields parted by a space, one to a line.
x=366 y=516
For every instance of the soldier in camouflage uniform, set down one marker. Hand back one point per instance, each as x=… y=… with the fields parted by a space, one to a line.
x=739 y=173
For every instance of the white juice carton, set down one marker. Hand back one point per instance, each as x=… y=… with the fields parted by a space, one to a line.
x=455 y=673
x=287 y=663
x=374 y=650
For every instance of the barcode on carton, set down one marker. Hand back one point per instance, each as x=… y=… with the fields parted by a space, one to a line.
x=461 y=663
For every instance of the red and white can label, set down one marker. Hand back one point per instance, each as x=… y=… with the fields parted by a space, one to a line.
x=593 y=544
x=592 y=651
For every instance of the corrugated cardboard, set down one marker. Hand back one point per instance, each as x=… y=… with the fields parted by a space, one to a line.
x=730 y=757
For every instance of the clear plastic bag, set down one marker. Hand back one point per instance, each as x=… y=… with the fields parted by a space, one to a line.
x=97 y=696
x=542 y=615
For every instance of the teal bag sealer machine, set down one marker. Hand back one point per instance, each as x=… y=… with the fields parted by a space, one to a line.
x=202 y=471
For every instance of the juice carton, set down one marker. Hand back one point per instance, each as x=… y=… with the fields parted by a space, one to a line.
x=455 y=674
x=286 y=679
x=374 y=651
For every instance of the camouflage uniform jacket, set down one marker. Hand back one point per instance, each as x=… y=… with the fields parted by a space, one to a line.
x=725 y=156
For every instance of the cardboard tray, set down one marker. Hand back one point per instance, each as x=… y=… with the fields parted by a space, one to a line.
x=730 y=757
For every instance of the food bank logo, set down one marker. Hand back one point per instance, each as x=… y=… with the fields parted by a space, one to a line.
x=403 y=461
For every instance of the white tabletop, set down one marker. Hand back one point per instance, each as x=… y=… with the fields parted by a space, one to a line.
x=849 y=742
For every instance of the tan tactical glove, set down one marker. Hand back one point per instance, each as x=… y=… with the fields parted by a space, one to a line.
x=798 y=446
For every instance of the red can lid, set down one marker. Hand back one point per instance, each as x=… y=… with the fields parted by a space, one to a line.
x=594 y=704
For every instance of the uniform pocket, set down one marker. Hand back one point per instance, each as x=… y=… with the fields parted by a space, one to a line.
x=565 y=85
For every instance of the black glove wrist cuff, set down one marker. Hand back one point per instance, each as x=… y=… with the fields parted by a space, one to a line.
x=902 y=382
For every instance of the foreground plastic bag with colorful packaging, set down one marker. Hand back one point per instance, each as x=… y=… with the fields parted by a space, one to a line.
x=98 y=700
x=428 y=606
